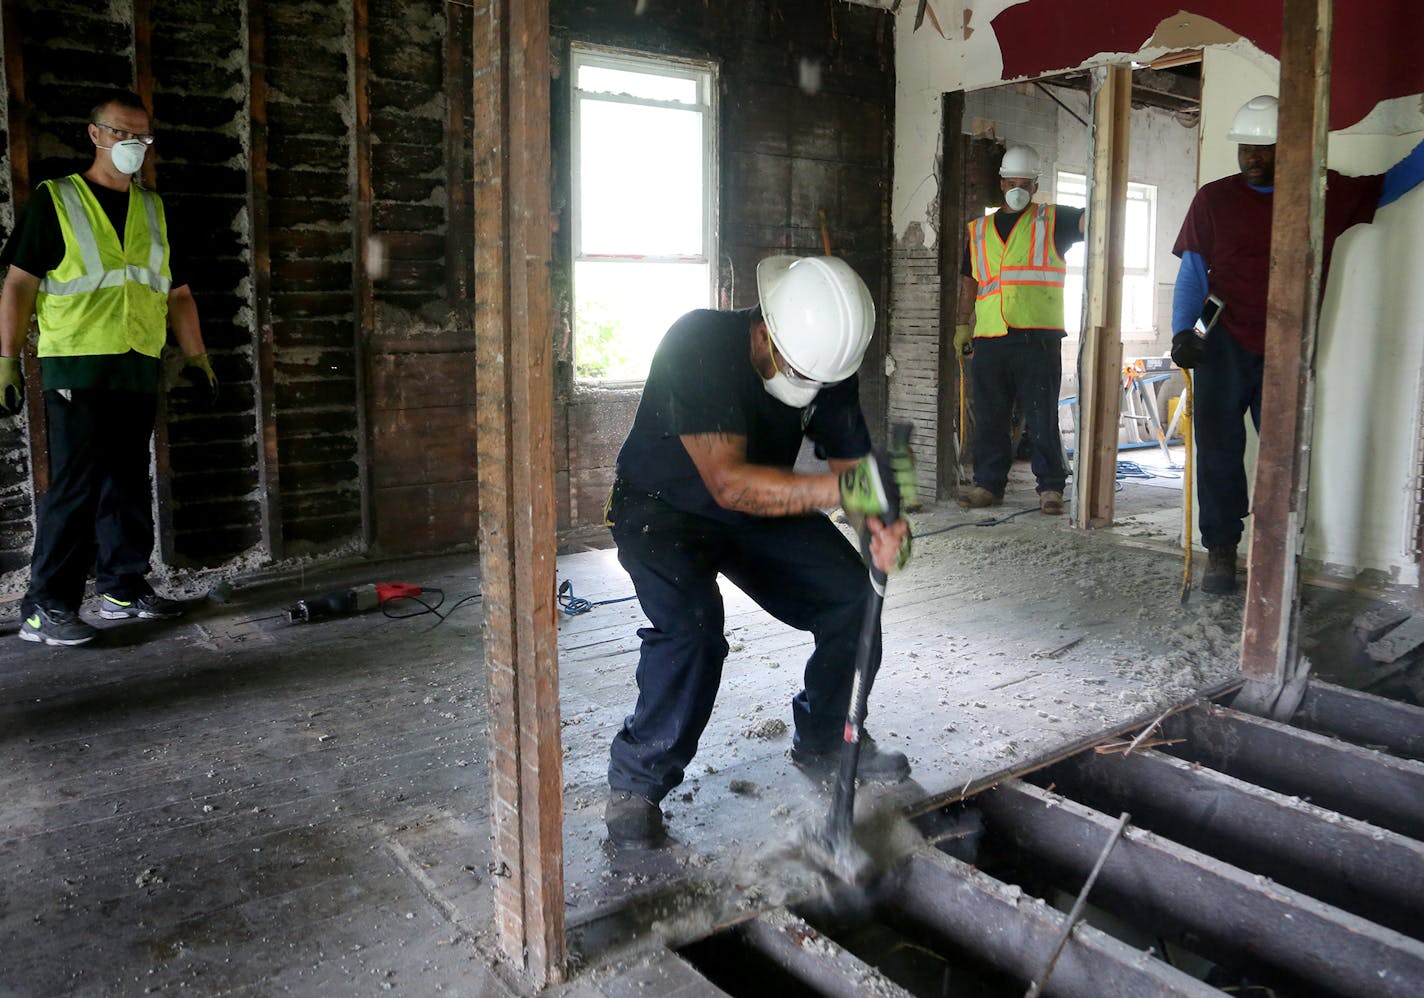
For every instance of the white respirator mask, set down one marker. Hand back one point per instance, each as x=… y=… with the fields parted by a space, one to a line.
x=127 y=155
x=784 y=390
x=1017 y=198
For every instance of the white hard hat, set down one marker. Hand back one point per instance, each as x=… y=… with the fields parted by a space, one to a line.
x=1019 y=161
x=1255 y=123
x=819 y=313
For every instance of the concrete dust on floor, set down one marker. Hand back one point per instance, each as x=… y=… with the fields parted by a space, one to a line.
x=233 y=805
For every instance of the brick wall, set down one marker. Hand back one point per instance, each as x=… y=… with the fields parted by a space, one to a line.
x=915 y=386
x=345 y=419
x=786 y=154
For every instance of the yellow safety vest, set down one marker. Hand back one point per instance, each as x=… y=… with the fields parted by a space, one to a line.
x=1021 y=281
x=105 y=297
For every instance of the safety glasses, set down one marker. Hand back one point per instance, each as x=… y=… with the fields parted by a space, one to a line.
x=794 y=376
x=145 y=137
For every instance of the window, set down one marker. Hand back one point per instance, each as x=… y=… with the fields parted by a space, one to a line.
x=644 y=204
x=1139 y=300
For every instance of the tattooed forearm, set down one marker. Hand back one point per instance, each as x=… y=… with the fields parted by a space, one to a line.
x=753 y=488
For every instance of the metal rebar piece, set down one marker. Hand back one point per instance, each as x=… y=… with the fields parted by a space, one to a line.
x=1078 y=905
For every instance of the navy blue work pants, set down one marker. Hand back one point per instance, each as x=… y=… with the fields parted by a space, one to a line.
x=1226 y=384
x=1028 y=366
x=98 y=509
x=800 y=569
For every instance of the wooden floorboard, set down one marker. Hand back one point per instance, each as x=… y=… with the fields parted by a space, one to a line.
x=230 y=805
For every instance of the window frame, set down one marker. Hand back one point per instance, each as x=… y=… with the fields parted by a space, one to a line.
x=704 y=74
x=1148 y=272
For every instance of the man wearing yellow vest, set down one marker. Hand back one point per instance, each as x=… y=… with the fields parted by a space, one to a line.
x=1012 y=290
x=90 y=259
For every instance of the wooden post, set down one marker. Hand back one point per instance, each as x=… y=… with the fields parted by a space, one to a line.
x=1100 y=393
x=1269 y=636
x=515 y=409
x=18 y=126
x=361 y=284
x=143 y=85
x=951 y=253
x=266 y=359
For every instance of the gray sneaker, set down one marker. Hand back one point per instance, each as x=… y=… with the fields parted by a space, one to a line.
x=55 y=627
x=149 y=607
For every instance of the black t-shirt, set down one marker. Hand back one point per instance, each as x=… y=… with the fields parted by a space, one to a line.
x=37 y=247
x=702 y=381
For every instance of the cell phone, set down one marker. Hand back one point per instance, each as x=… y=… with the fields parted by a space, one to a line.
x=1210 y=312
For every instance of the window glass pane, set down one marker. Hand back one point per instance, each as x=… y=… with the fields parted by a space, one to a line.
x=599 y=79
x=640 y=180
x=1072 y=190
x=1137 y=235
x=623 y=309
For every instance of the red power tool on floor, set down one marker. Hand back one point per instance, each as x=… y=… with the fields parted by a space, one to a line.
x=348 y=602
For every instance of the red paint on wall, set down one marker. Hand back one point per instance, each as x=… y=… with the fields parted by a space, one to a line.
x=1375 y=46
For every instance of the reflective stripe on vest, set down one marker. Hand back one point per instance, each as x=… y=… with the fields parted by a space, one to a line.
x=1024 y=294
x=100 y=299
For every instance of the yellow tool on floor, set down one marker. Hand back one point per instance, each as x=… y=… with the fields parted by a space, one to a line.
x=1187 y=434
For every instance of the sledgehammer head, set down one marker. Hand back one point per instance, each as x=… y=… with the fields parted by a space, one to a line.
x=836 y=854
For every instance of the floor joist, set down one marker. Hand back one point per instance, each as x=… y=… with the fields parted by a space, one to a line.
x=1356 y=781
x=993 y=919
x=1362 y=719
x=1180 y=893
x=814 y=959
x=1368 y=871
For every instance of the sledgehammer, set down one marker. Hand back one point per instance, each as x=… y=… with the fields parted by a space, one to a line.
x=834 y=848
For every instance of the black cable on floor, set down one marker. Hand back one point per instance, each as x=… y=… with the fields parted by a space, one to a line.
x=573 y=605
x=977 y=523
x=1131 y=469
x=398 y=604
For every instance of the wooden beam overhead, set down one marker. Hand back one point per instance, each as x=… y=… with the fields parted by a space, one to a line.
x=1100 y=394
x=1269 y=635
x=515 y=406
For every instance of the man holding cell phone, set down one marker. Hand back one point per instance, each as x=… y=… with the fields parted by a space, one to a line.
x=1219 y=311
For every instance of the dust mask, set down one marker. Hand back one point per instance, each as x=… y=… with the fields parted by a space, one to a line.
x=1017 y=198
x=779 y=387
x=128 y=155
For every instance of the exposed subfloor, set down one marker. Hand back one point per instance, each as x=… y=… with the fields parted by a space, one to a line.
x=239 y=806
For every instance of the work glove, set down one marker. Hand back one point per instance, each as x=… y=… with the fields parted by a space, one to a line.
x=199 y=372
x=12 y=385
x=964 y=338
x=1188 y=349
x=902 y=557
x=879 y=482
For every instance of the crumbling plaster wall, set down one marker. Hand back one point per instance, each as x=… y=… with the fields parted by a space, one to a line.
x=1365 y=468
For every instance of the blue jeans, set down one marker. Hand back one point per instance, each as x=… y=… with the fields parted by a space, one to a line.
x=1226 y=385
x=800 y=569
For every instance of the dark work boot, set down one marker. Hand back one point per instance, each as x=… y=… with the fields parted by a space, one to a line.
x=1220 y=577
x=633 y=820
x=874 y=766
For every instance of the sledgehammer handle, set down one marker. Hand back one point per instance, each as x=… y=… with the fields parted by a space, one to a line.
x=843 y=801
